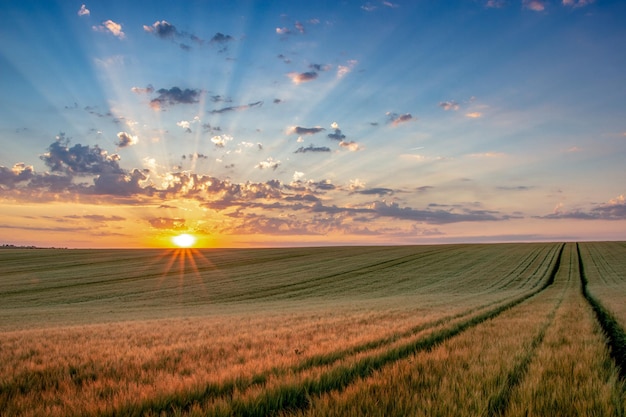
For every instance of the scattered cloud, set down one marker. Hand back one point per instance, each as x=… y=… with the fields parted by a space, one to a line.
x=351 y=146
x=474 y=115
x=336 y=135
x=614 y=209
x=175 y=95
x=125 y=140
x=112 y=27
x=298 y=130
x=221 y=140
x=395 y=119
x=302 y=77
x=312 y=148
x=270 y=163
x=574 y=149
x=345 y=69
x=236 y=108
x=221 y=38
x=449 y=105
x=534 y=5
x=368 y=7
x=83 y=11
x=162 y=29
x=138 y=90
x=320 y=67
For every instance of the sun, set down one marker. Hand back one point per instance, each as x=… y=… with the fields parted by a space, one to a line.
x=184 y=240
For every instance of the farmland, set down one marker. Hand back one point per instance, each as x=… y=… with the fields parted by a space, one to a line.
x=459 y=330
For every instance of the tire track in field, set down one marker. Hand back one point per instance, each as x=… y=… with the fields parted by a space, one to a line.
x=498 y=403
x=287 y=396
x=614 y=332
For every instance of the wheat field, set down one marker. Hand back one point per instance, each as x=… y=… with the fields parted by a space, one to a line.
x=452 y=330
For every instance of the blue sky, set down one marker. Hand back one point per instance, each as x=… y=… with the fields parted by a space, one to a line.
x=296 y=123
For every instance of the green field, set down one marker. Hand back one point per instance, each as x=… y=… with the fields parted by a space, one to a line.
x=453 y=330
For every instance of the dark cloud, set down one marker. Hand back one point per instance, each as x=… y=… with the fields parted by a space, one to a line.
x=302 y=77
x=376 y=191
x=337 y=135
x=175 y=95
x=236 y=108
x=125 y=140
x=515 y=188
x=221 y=38
x=277 y=101
x=395 y=118
x=298 y=130
x=320 y=67
x=167 y=31
x=162 y=29
x=20 y=172
x=312 y=148
x=79 y=159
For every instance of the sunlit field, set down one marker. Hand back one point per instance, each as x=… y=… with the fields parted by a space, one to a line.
x=452 y=330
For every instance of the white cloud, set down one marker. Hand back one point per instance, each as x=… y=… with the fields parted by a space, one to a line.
x=220 y=140
x=297 y=175
x=267 y=164
x=474 y=115
x=111 y=26
x=83 y=11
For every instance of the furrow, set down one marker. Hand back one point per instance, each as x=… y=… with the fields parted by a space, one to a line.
x=614 y=332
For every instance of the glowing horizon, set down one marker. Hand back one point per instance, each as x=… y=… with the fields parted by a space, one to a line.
x=302 y=124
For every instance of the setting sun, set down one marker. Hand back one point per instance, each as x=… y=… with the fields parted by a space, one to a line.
x=184 y=241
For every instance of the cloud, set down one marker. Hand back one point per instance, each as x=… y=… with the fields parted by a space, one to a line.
x=534 y=5
x=614 y=209
x=162 y=29
x=221 y=38
x=577 y=3
x=19 y=173
x=487 y=155
x=221 y=140
x=380 y=191
x=125 y=140
x=167 y=31
x=283 y=31
x=268 y=164
x=80 y=159
x=474 y=115
x=302 y=77
x=449 y=105
x=433 y=216
x=351 y=146
x=83 y=11
x=298 y=130
x=345 y=69
x=320 y=67
x=368 y=7
x=112 y=27
x=337 y=135
x=495 y=4
x=138 y=90
x=236 y=108
x=396 y=119
x=312 y=148
x=167 y=223
x=175 y=95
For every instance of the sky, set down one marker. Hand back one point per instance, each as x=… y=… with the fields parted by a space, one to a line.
x=293 y=123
